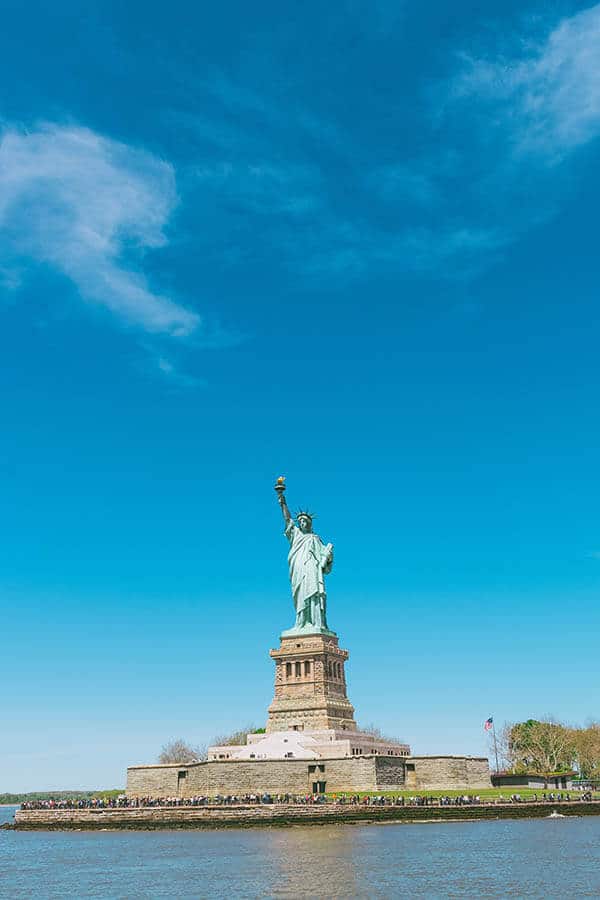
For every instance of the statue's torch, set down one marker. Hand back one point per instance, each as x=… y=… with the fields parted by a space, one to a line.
x=280 y=487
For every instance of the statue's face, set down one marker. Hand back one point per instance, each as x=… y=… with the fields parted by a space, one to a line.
x=304 y=524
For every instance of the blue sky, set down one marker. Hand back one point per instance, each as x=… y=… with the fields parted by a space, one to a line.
x=358 y=249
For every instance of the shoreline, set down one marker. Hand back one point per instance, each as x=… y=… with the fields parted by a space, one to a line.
x=285 y=815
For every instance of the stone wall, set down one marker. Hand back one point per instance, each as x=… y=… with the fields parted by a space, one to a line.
x=294 y=776
x=297 y=776
x=274 y=776
x=282 y=814
x=390 y=773
x=152 y=781
x=168 y=780
x=358 y=773
x=447 y=772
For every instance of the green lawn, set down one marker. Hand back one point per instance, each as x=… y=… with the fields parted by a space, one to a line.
x=484 y=793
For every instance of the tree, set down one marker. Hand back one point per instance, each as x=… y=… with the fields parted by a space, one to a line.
x=377 y=733
x=500 y=743
x=236 y=738
x=587 y=747
x=178 y=751
x=541 y=746
x=545 y=746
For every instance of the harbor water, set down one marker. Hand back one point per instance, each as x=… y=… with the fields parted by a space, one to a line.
x=558 y=857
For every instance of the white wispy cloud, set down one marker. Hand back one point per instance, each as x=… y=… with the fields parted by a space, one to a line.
x=90 y=206
x=349 y=251
x=176 y=377
x=317 y=196
x=550 y=90
x=258 y=160
x=264 y=187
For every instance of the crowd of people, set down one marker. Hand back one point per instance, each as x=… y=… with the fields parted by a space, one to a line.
x=123 y=802
x=552 y=797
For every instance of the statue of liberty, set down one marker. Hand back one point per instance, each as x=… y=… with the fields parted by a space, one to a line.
x=309 y=561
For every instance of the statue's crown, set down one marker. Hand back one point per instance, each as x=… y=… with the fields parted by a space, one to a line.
x=305 y=512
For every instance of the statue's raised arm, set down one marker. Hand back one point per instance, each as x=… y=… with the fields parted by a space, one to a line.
x=280 y=488
x=309 y=560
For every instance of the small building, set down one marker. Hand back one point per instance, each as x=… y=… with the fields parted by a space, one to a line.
x=327 y=743
x=560 y=781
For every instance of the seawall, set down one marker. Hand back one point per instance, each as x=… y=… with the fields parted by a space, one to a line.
x=241 y=816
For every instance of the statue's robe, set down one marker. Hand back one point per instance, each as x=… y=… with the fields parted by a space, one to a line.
x=308 y=560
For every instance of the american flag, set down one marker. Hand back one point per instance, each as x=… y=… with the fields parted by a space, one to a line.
x=487 y=725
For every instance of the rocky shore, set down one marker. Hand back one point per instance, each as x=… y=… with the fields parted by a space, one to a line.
x=242 y=816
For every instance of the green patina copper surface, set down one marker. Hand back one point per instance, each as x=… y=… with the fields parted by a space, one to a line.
x=309 y=560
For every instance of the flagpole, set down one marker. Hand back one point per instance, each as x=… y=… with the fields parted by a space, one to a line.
x=495 y=746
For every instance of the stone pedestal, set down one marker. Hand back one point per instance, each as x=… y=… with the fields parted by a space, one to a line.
x=310 y=685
